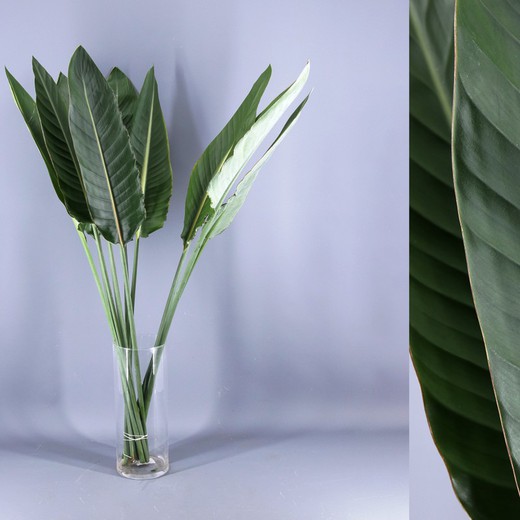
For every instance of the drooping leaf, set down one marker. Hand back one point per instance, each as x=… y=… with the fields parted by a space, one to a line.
x=53 y=115
x=446 y=344
x=149 y=139
x=486 y=156
x=126 y=95
x=229 y=209
x=213 y=157
x=27 y=107
x=102 y=145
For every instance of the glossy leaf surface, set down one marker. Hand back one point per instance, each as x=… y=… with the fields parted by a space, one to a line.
x=126 y=95
x=229 y=209
x=102 y=144
x=27 y=107
x=53 y=113
x=446 y=344
x=197 y=205
x=149 y=140
x=486 y=156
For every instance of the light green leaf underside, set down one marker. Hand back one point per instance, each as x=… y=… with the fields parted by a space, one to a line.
x=149 y=139
x=27 y=107
x=446 y=343
x=229 y=210
x=102 y=144
x=197 y=207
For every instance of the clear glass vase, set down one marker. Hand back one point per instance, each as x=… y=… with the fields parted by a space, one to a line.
x=141 y=412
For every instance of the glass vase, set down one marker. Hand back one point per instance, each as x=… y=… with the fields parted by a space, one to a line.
x=141 y=412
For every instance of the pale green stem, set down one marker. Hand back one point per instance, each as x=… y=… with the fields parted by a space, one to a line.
x=84 y=243
x=118 y=304
x=133 y=338
x=134 y=269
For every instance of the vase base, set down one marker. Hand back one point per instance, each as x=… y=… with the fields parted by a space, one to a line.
x=156 y=467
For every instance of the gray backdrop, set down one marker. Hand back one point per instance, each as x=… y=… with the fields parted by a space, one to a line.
x=296 y=318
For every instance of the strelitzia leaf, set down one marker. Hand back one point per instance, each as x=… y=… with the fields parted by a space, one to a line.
x=245 y=148
x=107 y=163
x=445 y=340
x=53 y=114
x=27 y=107
x=229 y=209
x=486 y=154
x=126 y=95
x=149 y=140
x=63 y=87
x=214 y=156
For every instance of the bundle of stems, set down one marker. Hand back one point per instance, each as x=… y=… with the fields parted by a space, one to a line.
x=105 y=146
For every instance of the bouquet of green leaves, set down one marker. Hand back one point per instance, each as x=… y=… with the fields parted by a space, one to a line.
x=105 y=146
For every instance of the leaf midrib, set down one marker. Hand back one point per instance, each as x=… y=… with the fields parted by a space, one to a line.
x=105 y=171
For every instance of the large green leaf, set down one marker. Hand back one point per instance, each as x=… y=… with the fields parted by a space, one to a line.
x=486 y=157
x=446 y=344
x=102 y=145
x=228 y=210
x=211 y=161
x=126 y=95
x=54 y=118
x=27 y=107
x=149 y=139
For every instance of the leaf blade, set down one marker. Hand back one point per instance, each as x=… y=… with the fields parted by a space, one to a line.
x=149 y=140
x=27 y=107
x=126 y=95
x=215 y=154
x=102 y=144
x=229 y=210
x=445 y=341
x=54 y=118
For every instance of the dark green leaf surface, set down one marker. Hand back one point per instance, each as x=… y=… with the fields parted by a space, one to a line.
x=27 y=107
x=446 y=342
x=54 y=118
x=486 y=159
x=149 y=139
x=102 y=145
x=126 y=95
x=211 y=161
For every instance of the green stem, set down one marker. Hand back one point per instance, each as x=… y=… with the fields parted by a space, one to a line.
x=118 y=304
x=134 y=270
x=104 y=300
x=131 y=321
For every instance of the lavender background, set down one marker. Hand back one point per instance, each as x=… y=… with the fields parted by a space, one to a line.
x=295 y=320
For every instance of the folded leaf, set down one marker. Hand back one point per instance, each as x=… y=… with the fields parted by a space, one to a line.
x=27 y=107
x=102 y=145
x=229 y=209
x=149 y=139
x=126 y=95
x=213 y=157
x=245 y=148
